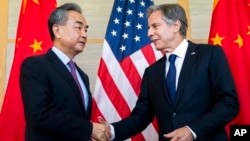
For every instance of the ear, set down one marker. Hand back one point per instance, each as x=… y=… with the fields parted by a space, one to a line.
x=57 y=30
x=177 y=26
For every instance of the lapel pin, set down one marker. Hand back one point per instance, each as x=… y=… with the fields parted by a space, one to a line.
x=192 y=53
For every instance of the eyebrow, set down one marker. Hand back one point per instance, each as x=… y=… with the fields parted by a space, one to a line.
x=79 y=22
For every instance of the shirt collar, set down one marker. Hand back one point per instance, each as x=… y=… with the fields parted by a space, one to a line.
x=180 y=50
x=62 y=56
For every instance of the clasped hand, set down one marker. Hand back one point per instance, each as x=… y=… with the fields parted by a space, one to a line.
x=101 y=131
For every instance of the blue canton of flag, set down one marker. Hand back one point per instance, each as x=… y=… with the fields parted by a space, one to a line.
x=127 y=30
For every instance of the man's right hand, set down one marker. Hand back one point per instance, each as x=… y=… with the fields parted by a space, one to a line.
x=101 y=132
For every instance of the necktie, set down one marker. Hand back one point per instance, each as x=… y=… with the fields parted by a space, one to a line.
x=73 y=72
x=171 y=78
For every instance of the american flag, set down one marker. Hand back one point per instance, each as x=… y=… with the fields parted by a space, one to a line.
x=127 y=51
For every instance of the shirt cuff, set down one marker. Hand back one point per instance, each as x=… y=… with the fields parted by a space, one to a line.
x=112 y=130
x=193 y=133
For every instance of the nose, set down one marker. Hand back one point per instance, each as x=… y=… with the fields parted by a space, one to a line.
x=150 y=32
x=84 y=33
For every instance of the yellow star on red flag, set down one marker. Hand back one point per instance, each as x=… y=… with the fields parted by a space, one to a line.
x=248 y=33
x=239 y=41
x=36 y=46
x=36 y=1
x=217 y=39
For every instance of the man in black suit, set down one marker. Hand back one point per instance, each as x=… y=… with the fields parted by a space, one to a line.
x=204 y=98
x=57 y=106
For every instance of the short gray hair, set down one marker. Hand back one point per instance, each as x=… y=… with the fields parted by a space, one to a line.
x=60 y=16
x=171 y=13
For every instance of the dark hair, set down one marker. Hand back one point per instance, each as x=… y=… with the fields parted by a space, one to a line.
x=171 y=13
x=60 y=16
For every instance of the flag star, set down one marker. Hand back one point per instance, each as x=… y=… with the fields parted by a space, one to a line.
x=36 y=46
x=130 y=12
x=217 y=39
x=119 y=9
x=37 y=2
x=114 y=33
x=248 y=33
x=239 y=41
x=132 y=1
x=125 y=36
x=141 y=15
x=142 y=3
x=137 y=38
x=18 y=40
x=116 y=21
x=139 y=26
x=127 y=23
x=123 y=48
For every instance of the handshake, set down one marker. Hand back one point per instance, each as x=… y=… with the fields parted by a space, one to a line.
x=101 y=131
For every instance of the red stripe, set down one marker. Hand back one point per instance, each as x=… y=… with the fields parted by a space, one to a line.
x=132 y=74
x=115 y=96
x=148 y=53
x=95 y=112
x=138 y=137
x=112 y=92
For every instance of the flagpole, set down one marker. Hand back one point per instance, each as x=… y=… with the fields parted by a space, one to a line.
x=185 y=5
x=3 y=46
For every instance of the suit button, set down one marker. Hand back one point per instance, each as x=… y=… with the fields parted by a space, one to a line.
x=174 y=114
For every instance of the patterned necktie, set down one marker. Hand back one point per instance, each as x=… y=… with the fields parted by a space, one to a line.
x=73 y=72
x=171 y=78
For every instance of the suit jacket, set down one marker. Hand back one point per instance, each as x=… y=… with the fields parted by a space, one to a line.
x=206 y=98
x=52 y=102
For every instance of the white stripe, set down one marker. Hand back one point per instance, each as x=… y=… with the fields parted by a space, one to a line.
x=118 y=76
x=150 y=134
x=158 y=54
x=104 y=104
x=140 y=62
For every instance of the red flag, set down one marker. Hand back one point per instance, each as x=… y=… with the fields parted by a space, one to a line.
x=126 y=53
x=32 y=39
x=230 y=28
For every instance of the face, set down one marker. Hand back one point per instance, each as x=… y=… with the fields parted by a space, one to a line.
x=160 y=33
x=72 y=37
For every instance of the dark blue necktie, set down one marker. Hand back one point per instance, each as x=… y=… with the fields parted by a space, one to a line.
x=171 y=78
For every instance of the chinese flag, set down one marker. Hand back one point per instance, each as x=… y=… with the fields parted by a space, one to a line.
x=32 y=39
x=230 y=28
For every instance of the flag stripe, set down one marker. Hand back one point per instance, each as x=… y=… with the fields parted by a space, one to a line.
x=118 y=77
x=114 y=94
x=103 y=101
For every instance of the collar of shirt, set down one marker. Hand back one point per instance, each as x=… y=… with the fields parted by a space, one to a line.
x=180 y=52
x=63 y=57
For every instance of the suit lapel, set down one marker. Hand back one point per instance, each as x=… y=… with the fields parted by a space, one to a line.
x=161 y=79
x=86 y=83
x=186 y=69
x=61 y=69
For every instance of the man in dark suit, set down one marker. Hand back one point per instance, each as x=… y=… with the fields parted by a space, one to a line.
x=204 y=97
x=57 y=106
